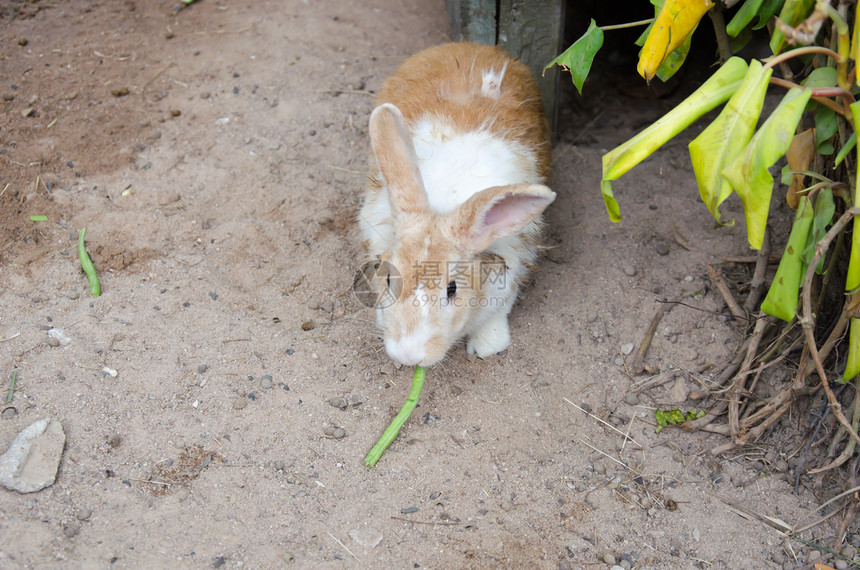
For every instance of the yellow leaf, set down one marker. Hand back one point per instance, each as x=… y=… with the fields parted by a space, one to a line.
x=677 y=20
x=748 y=172
x=723 y=139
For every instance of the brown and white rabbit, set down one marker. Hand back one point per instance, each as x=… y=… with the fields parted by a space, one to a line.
x=451 y=216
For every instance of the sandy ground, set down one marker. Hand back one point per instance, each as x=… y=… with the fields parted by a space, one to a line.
x=217 y=155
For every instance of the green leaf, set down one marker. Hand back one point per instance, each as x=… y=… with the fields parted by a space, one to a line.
x=768 y=10
x=748 y=173
x=717 y=89
x=674 y=417
x=846 y=148
x=793 y=12
x=852 y=366
x=743 y=17
x=675 y=60
x=781 y=300
x=852 y=280
x=786 y=174
x=821 y=77
x=825 y=207
x=825 y=148
x=723 y=139
x=38 y=218
x=826 y=126
x=577 y=59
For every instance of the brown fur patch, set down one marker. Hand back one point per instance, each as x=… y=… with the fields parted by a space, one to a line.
x=446 y=80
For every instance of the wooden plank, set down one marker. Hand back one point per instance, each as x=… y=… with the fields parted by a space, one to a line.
x=532 y=32
x=472 y=20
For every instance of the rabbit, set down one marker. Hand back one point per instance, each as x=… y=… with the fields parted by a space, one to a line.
x=451 y=217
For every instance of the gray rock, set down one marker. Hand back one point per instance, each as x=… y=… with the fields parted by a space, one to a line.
x=31 y=462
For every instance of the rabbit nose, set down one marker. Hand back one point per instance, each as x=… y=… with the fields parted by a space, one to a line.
x=408 y=351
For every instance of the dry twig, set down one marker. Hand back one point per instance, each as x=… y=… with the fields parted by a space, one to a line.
x=637 y=365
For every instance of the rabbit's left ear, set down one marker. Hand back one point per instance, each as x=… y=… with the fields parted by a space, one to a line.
x=498 y=212
x=395 y=154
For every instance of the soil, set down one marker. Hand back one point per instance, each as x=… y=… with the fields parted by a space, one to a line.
x=220 y=394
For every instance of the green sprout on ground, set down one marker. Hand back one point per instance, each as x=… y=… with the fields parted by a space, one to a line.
x=87 y=265
x=393 y=429
x=675 y=417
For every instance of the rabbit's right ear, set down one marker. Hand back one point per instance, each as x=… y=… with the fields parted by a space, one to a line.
x=395 y=153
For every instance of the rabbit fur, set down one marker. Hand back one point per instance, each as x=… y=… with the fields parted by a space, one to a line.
x=451 y=215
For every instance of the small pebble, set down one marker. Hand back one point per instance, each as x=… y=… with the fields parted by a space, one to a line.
x=662 y=249
x=119 y=92
x=609 y=558
x=308 y=326
x=266 y=382
x=114 y=440
x=408 y=510
x=337 y=402
x=506 y=506
x=339 y=433
x=73 y=295
x=629 y=270
x=627 y=348
x=202 y=368
x=840 y=564
x=71 y=530
x=52 y=342
x=240 y=403
x=279 y=465
x=84 y=514
x=9 y=412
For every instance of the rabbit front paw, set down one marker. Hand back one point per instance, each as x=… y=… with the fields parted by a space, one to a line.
x=494 y=336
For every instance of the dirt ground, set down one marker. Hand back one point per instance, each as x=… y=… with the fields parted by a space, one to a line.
x=216 y=155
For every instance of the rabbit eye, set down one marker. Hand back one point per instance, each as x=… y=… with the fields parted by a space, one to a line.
x=452 y=289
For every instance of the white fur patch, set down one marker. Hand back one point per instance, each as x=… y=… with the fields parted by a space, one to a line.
x=491 y=82
x=410 y=348
x=455 y=166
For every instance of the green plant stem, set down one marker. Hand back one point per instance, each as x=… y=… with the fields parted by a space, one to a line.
x=627 y=25
x=841 y=24
x=393 y=429
x=87 y=265
x=844 y=43
x=12 y=386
